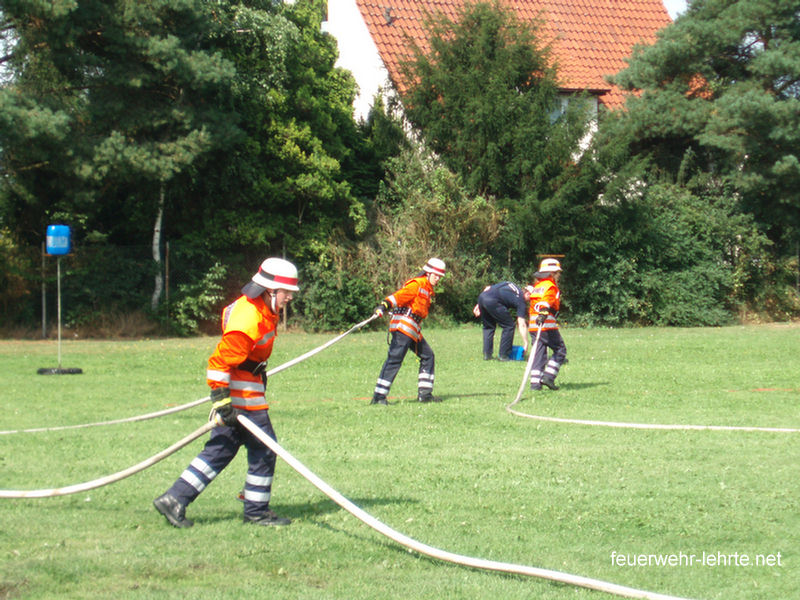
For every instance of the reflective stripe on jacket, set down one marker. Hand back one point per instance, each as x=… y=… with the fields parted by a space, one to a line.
x=545 y=297
x=248 y=332
x=410 y=305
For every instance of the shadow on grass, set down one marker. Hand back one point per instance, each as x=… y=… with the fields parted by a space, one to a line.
x=394 y=400
x=581 y=386
x=306 y=511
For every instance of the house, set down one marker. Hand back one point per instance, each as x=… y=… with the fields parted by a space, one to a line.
x=590 y=39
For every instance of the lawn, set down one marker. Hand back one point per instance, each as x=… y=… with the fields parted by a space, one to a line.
x=463 y=475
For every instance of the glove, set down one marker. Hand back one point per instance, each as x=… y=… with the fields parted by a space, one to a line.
x=382 y=308
x=221 y=407
x=540 y=318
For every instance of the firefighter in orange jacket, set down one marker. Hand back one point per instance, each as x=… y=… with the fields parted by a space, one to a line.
x=544 y=306
x=237 y=377
x=409 y=306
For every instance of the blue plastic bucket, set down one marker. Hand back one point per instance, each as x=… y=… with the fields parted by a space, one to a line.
x=58 y=240
x=517 y=353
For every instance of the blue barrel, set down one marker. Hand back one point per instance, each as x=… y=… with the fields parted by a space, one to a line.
x=58 y=240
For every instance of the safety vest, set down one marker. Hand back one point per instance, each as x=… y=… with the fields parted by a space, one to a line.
x=254 y=319
x=545 y=297
x=410 y=305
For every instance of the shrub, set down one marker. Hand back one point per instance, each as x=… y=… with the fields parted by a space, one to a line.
x=198 y=301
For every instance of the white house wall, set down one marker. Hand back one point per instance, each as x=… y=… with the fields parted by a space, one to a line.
x=357 y=53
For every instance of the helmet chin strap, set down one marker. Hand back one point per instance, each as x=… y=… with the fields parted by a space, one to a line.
x=272 y=300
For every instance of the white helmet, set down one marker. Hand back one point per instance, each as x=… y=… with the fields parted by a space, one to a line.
x=274 y=274
x=549 y=265
x=435 y=265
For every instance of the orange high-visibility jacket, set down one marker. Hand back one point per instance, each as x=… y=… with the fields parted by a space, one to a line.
x=248 y=332
x=545 y=297
x=413 y=301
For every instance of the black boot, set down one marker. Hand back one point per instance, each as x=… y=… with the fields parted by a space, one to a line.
x=173 y=511
x=428 y=398
x=379 y=400
x=268 y=519
x=549 y=382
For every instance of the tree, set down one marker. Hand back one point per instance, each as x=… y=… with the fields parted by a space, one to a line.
x=485 y=97
x=109 y=101
x=421 y=211
x=720 y=95
x=286 y=183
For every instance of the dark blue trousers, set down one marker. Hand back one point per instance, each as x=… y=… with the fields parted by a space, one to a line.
x=550 y=338
x=219 y=451
x=398 y=348
x=493 y=314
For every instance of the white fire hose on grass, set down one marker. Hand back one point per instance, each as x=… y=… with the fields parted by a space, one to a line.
x=82 y=487
x=89 y=485
x=194 y=403
x=467 y=561
x=624 y=425
x=343 y=502
x=528 y=367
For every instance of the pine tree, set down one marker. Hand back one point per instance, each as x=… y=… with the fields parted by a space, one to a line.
x=721 y=97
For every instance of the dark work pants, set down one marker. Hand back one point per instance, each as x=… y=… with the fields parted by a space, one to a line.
x=493 y=314
x=550 y=338
x=398 y=347
x=219 y=451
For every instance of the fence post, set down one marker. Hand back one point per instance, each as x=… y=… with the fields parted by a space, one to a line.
x=44 y=295
x=166 y=276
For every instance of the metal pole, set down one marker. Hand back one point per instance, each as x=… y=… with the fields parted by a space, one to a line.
x=58 y=269
x=166 y=276
x=44 y=294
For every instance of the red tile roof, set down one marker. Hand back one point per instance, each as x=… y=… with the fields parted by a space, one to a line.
x=590 y=38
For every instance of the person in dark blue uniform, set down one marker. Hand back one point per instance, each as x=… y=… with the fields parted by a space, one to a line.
x=494 y=304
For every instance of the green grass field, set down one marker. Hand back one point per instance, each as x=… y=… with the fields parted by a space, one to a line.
x=463 y=475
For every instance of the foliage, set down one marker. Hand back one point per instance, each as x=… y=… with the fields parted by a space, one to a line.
x=285 y=184
x=235 y=105
x=485 y=98
x=662 y=254
x=683 y=211
x=197 y=302
x=102 y=279
x=333 y=298
x=108 y=101
x=727 y=74
x=421 y=211
x=16 y=270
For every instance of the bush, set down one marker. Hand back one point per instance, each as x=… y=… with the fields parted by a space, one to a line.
x=334 y=299
x=668 y=256
x=198 y=301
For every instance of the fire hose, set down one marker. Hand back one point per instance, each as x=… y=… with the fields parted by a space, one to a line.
x=89 y=485
x=194 y=403
x=444 y=555
x=528 y=367
x=346 y=504
x=360 y=514
x=623 y=425
x=82 y=487
x=153 y=415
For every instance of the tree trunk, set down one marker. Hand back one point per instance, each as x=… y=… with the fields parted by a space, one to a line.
x=159 y=282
